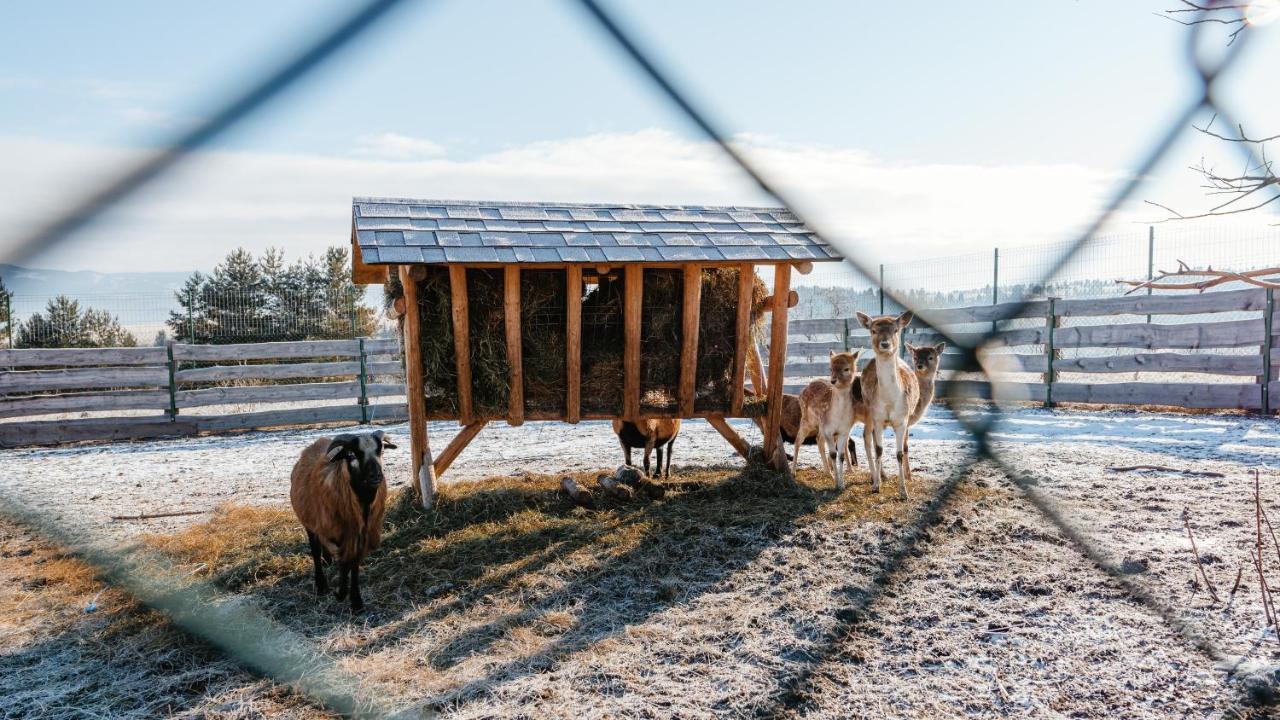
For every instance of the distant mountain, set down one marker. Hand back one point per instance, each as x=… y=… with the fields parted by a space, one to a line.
x=85 y=283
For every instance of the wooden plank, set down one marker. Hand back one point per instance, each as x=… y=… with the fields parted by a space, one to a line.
x=515 y=362
x=461 y=340
x=22 y=381
x=384 y=389
x=276 y=418
x=689 y=338
x=1232 y=333
x=633 y=292
x=777 y=368
x=573 y=343
x=1184 y=395
x=119 y=400
x=267 y=394
x=818 y=327
x=728 y=433
x=391 y=368
x=981 y=390
x=382 y=346
x=268 y=351
x=59 y=432
x=76 y=357
x=1000 y=362
x=456 y=446
x=423 y=482
x=981 y=313
x=742 y=335
x=1181 y=304
x=220 y=373
x=1250 y=365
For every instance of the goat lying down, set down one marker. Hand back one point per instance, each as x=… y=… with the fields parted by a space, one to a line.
x=339 y=494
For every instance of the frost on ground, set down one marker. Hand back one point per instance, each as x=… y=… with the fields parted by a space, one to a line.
x=735 y=595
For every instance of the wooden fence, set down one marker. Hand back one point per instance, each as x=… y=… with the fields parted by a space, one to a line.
x=179 y=382
x=184 y=384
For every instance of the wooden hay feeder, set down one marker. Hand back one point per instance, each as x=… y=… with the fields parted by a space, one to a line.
x=528 y=311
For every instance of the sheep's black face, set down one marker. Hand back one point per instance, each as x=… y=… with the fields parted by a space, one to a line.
x=362 y=454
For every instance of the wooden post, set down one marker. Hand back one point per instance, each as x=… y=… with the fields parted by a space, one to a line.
x=777 y=368
x=573 y=343
x=423 y=471
x=633 y=292
x=728 y=433
x=742 y=335
x=1051 y=354
x=461 y=341
x=511 y=310
x=172 y=412
x=1268 y=343
x=456 y=446
x=364 y=385
x=689 y=338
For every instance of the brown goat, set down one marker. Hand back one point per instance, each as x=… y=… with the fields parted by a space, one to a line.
x=648 y=434
x=339 y=494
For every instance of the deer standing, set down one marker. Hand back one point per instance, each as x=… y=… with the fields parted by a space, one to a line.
x=925 y=359
x=891 y=392
x=827 y=408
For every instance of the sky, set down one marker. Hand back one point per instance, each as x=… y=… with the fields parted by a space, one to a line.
x=909 y=129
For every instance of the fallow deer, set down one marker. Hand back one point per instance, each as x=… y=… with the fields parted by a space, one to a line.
x=891 y=392
x=827 y=408
x=925 y=360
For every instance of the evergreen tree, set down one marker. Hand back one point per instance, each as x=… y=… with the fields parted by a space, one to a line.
x=63 y=324
x=6 y=313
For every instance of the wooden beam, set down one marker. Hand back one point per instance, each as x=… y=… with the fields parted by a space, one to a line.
x=689 y=338
x=461 y=341
x=777 y=370
x=804 y=268
x=742 y=335
x=573 y=343
x=756 y=367
x=511 y=310
x=456 y=446
x=423 y=473
x=728 y=433
x=633 y=293
x=362 y=274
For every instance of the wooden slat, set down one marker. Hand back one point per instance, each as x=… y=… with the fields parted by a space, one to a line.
x=573 y=343
x=777 y=363
x=118 y=400
x=1188 y=395
x=45 y=357
x=1249 y=365
x=276 y=418
x=633 y=292
x=1232 y=333
x=1181 y=304
x=689 y=338
x=511 y=309
x=461 y=340
x=382 y=346
x=390 y=368
x=728 y=433
x=456 y=446
x=981 y=313
x=742 y=335
x=423 y=482
x=267 y=394
x=58 y=432
x=82 y=378
x=220 y=373
x=818 y=327
x=268 y=351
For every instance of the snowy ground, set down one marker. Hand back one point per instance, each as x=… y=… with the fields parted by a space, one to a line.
x=993 y=613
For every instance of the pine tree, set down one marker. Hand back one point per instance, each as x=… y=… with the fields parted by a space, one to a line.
x=6 y=313
x=63 y=324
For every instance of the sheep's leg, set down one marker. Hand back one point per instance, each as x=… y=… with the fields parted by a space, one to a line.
x=904 y=463
x=626 y=449
x=658 y=468
x=317 y=556
x=343 y=568
x=357 y=602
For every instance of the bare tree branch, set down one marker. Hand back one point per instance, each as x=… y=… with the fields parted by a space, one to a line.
x=1215 y=278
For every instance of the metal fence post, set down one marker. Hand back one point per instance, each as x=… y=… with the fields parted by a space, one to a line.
x=8 y=318
x=881 y=288
x=364 y=397
x=1151 y=258
x=1268 y=344
x=846 y=334
x=191 y=320
x=995 y=281
x=351 y=313
x=172 y=412
x=1051 y=321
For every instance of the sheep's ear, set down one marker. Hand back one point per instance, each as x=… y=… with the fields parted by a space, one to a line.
x=905 y=318
x=863 y=319
x=384 y=440
x=337 y=446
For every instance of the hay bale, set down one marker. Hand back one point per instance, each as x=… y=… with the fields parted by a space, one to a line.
x=603 y=341
x=543 y=336
x=439 y=368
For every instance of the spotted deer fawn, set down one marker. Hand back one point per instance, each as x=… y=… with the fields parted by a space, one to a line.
x=827 y=409
x=891 y=393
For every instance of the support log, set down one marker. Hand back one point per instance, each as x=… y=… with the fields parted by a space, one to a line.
x=689 y=338
x=456 y=446
x=461 y=341
x=742 y=336
x=728 y=433
x=633 y=293
x=423 y=472
x=511 y=310
x=573 y=343
x=777 y=369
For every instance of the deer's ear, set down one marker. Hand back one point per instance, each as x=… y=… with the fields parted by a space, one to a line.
x=831 y=354
x=910 y=348
x=940 y=347
x=853 y=358
x=905 y=318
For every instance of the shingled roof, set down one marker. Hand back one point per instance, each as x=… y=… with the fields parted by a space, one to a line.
x=437 y=231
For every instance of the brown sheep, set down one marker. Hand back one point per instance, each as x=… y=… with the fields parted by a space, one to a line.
x=339 y=495
x=649 y=434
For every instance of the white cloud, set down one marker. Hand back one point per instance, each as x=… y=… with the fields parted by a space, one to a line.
x=394 y=146
x=220 y=200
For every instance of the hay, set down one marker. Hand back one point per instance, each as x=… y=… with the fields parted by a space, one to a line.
x=542 y=340
x=602 y=346
x=439 y=365
x=486 y=318
x=661 y=336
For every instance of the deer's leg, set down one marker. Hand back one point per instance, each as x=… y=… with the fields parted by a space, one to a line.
x=317 y=557
x=626 y=449
x=822 y=452
x=871 y=439
x=837 y=452
x=648 y=448
x=904 y=464
x=670 y=443
x=658 y=468
x=802 y=432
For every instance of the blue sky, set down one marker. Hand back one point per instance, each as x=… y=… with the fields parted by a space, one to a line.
x=471 y=95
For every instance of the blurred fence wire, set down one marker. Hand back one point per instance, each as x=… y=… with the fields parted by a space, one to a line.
x=275 y=658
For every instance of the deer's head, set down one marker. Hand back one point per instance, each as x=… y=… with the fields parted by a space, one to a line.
x=886 y=331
